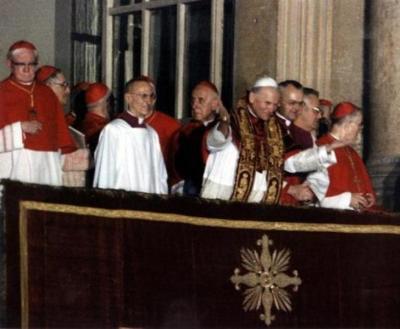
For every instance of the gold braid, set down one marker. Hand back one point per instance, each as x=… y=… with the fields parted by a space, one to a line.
x=269 y=157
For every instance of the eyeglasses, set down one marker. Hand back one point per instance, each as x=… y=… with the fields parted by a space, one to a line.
x=28 y=65
x=145 y=96
x=64 y=84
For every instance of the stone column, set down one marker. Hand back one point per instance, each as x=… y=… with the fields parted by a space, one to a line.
x=304 y=43
x=383 y=99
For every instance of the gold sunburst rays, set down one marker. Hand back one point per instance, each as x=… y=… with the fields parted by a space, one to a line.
x=266 y=280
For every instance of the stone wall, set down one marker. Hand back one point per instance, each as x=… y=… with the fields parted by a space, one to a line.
x=255 y=42
x=29 y=20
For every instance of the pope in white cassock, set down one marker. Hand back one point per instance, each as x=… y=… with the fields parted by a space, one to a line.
x=246 y=150
x=129 y=155
x=247 y=153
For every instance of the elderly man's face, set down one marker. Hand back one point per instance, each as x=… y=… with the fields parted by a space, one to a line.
x=204 y=102
x=353 y=128
x=310 y=112
x=291 y=102
x=23 y=65
x=264 y=102
x=61 y=88
x=141 y=99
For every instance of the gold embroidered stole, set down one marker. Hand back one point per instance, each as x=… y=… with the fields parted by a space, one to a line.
x=269 y=157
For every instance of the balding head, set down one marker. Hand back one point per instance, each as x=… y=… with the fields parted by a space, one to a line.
x=204 y=101
x=140 y=97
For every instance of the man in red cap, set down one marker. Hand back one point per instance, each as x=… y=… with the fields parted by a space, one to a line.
x=78 y=103
x=97 y=97
x=33 y=131
x=129 y=154
x=54 y=78
x=189 y=159
x=346 y=184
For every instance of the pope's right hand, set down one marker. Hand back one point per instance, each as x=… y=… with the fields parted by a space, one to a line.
x=358 y=201
x=31 y=127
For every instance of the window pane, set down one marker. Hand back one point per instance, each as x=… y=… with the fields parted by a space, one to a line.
x=198 y=47
x=126 y=53
x=124 y=2
x=86 y=40
x=88 y=17
x=87 y=61
x=227 y=63
x=163 y=57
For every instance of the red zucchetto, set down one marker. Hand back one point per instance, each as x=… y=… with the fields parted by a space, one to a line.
x=95 y=93
x=22 y=44
x=325 y=102
x=81 y=86
x=45 y=72
x=343 y=109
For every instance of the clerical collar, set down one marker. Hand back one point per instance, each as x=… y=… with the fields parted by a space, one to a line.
x=27 y=84
x=206 y=123
x=287 y=121
x=133 y=121
x=314 y=138
x=334 y=136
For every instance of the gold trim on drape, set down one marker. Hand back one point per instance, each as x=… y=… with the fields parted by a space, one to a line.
x=271 y=225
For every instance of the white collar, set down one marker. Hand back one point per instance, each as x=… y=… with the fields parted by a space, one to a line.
x=206 y=123
x=287 y=121
x=335 y=137
x=140 y=119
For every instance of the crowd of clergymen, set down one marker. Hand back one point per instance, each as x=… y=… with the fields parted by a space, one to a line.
x=281 y=144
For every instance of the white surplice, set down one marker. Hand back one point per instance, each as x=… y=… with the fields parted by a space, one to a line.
x=130 y=158
x=30 y=166
x=220 y=172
